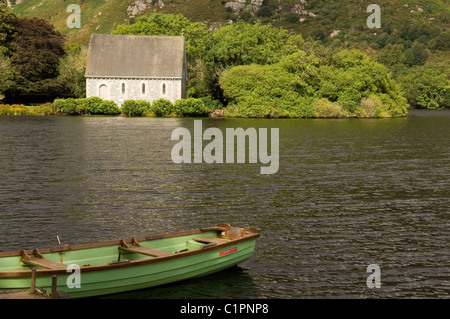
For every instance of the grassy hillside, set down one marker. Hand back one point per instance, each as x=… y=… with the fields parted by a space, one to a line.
x=98 y=16
x=307 y=17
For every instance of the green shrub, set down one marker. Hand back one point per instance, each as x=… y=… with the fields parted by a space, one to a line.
x=210 y=103
x=91 y=105
x=162 y=107
x=68 y=106
x=108 y=108
x=446 y=95
x=190 y=107
x=135 y=107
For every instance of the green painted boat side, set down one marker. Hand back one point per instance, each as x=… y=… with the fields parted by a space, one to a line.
x=98 y=276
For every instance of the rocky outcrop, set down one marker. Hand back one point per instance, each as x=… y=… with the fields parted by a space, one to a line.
x=139 y=6
x=252 y=6
x=238 y=5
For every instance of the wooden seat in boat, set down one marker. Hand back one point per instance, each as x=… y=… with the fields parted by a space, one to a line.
x=211 y=240
x=40 y=261
x=137 y=248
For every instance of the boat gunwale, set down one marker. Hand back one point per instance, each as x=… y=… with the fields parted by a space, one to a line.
x=250 y=234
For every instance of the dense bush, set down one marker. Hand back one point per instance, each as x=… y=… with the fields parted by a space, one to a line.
x=162 y=107
x=97 y=106
x=446 y=97
x=67 y=106
x=108 y=108
x=416 y=54
x=91 y=105
x=428 y=89
x=135 y=107
x=190 y=107
x=431 y=88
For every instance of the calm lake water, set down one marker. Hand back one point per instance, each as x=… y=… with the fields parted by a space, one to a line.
x=348 y=193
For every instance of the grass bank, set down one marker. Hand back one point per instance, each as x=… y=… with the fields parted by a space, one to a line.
x=24 y=110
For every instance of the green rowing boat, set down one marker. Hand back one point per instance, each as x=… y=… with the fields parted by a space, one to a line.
x=103 y=268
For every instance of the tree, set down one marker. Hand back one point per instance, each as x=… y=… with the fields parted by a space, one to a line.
x=392 y=55
x=416 y=55
x=169 y=24
x=6 y=29
x=72 y=68
x=37 y=48
x=431 y=86
x=6 y=73
x=242 y=43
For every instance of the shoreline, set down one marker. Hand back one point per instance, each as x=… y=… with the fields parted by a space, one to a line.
x=48 y=110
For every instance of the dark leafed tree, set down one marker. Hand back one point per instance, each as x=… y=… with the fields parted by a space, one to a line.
x=37 y=48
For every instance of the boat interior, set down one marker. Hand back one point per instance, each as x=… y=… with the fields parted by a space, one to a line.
x=122 y=251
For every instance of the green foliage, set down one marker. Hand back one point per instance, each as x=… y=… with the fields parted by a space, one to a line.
x=72 y=69
x=299 y=86
x=392 y=55
x=446 y=97
x=37 y=48
x=264 y=91
x=7 y=30
x=210 y=103
x=441 y=41
x=431 y=87
x=190 y=107
x=91 y=106
x=135 y=107
x=6 y=73
x=107 y=108
x=242 y=43
x=23 y=110
x=68 y=106
x=162 y=107
x=169 y=24
x=416 y=55
x=428 y=89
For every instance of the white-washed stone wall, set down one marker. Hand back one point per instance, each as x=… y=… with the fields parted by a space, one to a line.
x=154 y=89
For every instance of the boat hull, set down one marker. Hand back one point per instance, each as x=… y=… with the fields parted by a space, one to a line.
x=138 y=273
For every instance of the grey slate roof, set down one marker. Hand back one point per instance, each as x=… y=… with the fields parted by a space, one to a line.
x=135 y=56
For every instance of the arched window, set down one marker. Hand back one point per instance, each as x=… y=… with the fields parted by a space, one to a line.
x=103 y=92
x=143 y=88
x=123 y=88
x=164 y=89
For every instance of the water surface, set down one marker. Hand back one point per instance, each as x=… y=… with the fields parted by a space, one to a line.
x=348 y=193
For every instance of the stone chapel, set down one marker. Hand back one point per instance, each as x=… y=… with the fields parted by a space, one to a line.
x=138 y=67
